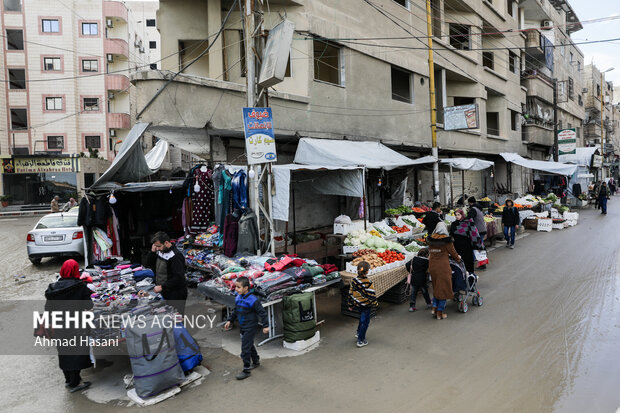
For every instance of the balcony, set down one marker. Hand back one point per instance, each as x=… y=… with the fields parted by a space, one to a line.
x=116 y=82
x=538 y=135
x=118 y=121
x=592 y=130
x=116 y=47
x=115 y=9
x=534 y=44
x=538 y=84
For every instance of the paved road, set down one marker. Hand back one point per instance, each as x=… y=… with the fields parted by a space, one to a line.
x=546 y=340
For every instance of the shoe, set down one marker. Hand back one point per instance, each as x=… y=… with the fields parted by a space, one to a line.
x=362 y=343
x=512 y=246
x=507 y=245
x=81 y=386
x=412 y=309
x=255 y=365
x=243 y=375
x=433 y=310
x=441 y=315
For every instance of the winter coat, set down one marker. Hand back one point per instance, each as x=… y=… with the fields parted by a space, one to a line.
x=419 y=277
x=174 y=287
x=248 y=310
x=441 y=249
x=463 y=246
x=248 y=233
x=70 y=294
x=430 y=221
x=510 y=217
x=475 y=213
x=603 y=192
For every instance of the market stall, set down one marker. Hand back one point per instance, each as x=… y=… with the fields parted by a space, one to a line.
x=583 y=176
x=464 y=164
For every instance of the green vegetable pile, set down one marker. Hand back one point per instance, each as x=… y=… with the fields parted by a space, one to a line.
x=401 y=210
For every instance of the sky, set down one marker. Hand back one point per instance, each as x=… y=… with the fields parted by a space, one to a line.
x=604 y=55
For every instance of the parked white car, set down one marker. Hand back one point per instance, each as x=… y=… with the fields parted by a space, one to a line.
x=56 y=235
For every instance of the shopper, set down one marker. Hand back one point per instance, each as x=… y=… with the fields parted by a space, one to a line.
x=72 y=202
x=597 y=188
x=248 y=310
x=477 y=216
x=362 y=297
x=511 y=221
x=169 y=267
x=54 y=207
x=466 y=238
x=431 y=218
x=441 y=249
x=603 y=196
x=418 y=270
x=72 y=295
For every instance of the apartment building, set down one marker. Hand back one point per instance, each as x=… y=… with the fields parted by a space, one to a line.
x=68 y=99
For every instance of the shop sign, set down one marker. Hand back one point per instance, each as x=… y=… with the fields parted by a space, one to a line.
x=545 y=225
x=567 y=141
x=260 y=143
x=597 y=161
x=40 y=165
x=461 y=117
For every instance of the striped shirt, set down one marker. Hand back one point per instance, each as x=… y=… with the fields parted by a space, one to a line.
x=362 y=293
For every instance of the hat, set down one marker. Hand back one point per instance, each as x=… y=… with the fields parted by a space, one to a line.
x=441 y=229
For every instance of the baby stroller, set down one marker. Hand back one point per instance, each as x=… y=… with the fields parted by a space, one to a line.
x=464 y=285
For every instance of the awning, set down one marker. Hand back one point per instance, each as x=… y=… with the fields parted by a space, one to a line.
x=156 y=156
x=193 y=140
x=337 y=153
x=341 y=180
x=129 y=165
x=545 y=166
x=467 y=164
x=141 y=186
x=583 y=156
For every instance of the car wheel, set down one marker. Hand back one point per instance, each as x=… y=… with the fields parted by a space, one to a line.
x=35 y=261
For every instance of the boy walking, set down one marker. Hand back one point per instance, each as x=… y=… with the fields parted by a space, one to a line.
x=362 y=297
x=248 y=310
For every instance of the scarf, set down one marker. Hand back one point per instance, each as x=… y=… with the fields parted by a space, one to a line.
x=70 y=269
x=467 y=228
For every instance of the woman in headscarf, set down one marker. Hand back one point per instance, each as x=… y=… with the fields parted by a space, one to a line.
x=71 y=294
x=466 y=238
x=441 y=248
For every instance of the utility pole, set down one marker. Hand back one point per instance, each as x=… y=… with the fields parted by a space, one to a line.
x=431 y=70
x=556 y=149
x=602 y=131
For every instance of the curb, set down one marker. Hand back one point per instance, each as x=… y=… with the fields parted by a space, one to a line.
x=22 y=214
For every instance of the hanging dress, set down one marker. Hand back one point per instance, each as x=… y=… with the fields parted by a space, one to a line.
x=202 y=202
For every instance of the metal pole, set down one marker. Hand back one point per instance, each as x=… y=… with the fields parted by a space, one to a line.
x=431 y=73
x=556 y=149
x=364 y=200
x=602 y=132
x=451 y=188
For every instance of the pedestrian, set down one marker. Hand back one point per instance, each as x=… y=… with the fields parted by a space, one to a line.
x=441 y=248
x=511 y=221
x=362 y=297
x=466 y=238
x=54 y=207
x=72 y=202
x=431 y=218
x=461 y=201
x=475 y=213
x=169 y=266
x=612 y=186
x=72 y=295
x=248 y=310
x=597 y=188
x=603 y=196
x=418 y=273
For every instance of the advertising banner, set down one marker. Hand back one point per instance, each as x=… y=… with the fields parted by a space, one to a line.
x=260 y=143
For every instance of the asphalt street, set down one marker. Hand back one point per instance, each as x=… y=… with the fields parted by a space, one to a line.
x=545 y=340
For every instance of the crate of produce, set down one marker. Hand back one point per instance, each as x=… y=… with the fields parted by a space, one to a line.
x=530 y=223
x=396 y=294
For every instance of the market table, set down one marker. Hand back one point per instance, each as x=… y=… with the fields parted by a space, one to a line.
x=382 y=281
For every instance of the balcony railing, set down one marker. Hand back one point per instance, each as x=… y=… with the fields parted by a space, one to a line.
x=115 y=9
x=116 y=82
x=116 y=47
x=119 y=121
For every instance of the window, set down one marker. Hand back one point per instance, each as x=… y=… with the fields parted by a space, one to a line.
x=578 y=132
x=152 y=45
x=19 y=119
x=14 y=39
x=327 y=62
x=562 y=48
x=17 y=79
x=53 y=103
x=578 y=66
x=150 y=22
x=153 y=66
x=571 y=57
x=487 y=59
x=91 y=104
x=90 y=65
x=55 y=142
x=571 y=89
x=598 y=91
x=436 y=17
x=51 y=64
x=462 y=101
x=404 y=3
x=50 y=26
x=514 y=120
x=92 y=142
x=460 y=36
x=580 y=100
x=12 y=5
x=401 y=85
x=90 y=29
x=513 y=62
x=493 y=123
x=510 y=7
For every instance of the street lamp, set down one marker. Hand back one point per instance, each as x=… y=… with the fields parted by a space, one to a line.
x=602 y=127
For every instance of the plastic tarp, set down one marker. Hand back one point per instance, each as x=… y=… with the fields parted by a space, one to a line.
x=141 y=186
x=129 y=165
x=373 y=155
x=557 y=168
x=193 y=140
x=582 y=156
x=467 y=164
x=345 y=181
x=156 y=156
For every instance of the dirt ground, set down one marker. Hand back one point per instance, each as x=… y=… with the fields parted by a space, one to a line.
x=545 y=340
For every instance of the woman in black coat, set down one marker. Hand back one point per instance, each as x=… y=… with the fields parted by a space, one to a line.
x=71 y=294
x=511 y=221
x=466 y=238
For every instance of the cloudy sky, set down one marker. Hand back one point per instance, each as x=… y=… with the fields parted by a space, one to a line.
x=604 y=55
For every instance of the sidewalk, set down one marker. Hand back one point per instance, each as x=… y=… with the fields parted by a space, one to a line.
x=13 y=214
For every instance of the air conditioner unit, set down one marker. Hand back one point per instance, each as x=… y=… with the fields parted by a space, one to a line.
x=584 y=90
x=546 y=24
x=110 y=95
x=109 y=23
x=141 y=49
x=110 y=58
x=113 y=133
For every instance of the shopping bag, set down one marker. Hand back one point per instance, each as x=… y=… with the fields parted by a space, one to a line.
x=481 y=257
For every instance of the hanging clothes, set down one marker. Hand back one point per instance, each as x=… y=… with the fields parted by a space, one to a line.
x=224 y=197
x=187 y=215
x=217 y=181
x=248 y=233
x=231 y=234
x=240 y=190
x=202 y=202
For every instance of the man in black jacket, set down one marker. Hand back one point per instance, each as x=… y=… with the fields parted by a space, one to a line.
x=169 y=266
x=432 y=218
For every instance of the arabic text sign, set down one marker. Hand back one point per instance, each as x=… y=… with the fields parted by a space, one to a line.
x=461 y=117
x=567 y=141
x=39 y=165
x=260 y=143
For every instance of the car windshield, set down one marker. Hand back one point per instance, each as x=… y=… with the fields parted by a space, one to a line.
x=58 y=221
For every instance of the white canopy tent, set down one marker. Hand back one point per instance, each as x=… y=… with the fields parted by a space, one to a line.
x=556 y=168
x=582 y=176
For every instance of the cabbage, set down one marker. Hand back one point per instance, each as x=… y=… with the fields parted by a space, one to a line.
x=364 y=237
x=380 y=244
x=370 y=243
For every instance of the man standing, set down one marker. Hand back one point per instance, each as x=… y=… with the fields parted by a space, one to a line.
x=54 y=204
x=169 y=267
x=475 y=213
x=432 y=218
